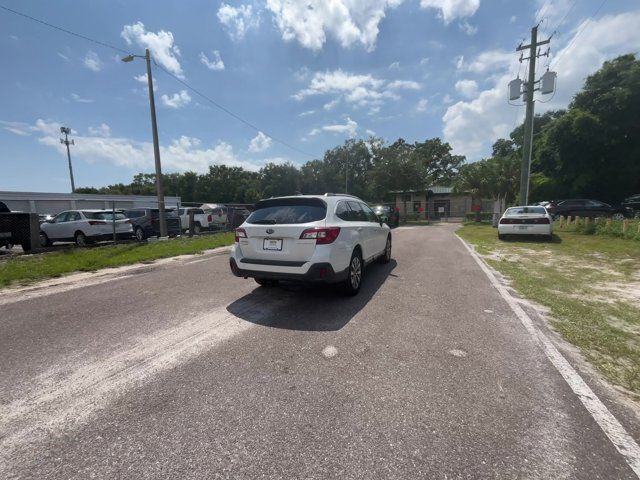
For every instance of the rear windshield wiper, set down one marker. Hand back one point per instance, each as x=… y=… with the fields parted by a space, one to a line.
x=264 y=222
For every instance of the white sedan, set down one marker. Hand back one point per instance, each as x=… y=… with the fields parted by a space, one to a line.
x=534 y=220
x=84 y=227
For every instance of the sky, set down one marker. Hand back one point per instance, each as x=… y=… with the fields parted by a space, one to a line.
x=303 y=76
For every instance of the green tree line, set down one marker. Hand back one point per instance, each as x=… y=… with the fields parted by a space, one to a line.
x=368 y=168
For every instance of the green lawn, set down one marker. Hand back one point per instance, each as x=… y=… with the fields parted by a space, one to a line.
x=30 y=268
x=589 y=283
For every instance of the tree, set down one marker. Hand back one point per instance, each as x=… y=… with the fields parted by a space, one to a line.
x=278 y=180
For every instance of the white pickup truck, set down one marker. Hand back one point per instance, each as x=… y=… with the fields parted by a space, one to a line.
x=201 y=220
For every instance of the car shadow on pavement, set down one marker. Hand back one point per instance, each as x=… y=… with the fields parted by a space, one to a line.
x=321 y=308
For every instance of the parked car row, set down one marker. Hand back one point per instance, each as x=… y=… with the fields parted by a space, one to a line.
x=583 y=207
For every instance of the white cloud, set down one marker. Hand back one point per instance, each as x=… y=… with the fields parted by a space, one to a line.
x=260 y=143
x=306 y=113
x=467 y=28
x=422 y=105
x=161 y=45
x=488 y=62
x=64 y=57
x=467 y=88
x=459 y=61
x=424 y=61
x=102 y=130
x=371 y=133
x=550 y=13
x=238 y=20
x=358 y=90
x=331 y=105
x=13 y=37
x=92 y=61
x=346 y=21
x=513 y=19
x=452 y=9
x=79 y=99
x=215 y=63
x=177 y=100
x=394 y=66
x=447 y=99
x=403 y=85
x=181 y=154
x=472 y=126
x=350 y=128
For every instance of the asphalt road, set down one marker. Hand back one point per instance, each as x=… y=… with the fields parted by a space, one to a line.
x=180 y=370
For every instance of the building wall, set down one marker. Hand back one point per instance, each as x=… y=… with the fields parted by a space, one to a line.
x=454 y=205
x=52 y=203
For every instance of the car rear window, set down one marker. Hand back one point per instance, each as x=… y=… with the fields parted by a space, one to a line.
x=134 y=213
x=525 y=210
x=284 y=211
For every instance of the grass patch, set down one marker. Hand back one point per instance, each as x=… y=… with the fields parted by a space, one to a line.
x=589 y=283
x=28 y=269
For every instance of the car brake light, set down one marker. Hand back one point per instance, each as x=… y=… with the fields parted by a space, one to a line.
x=240 y=233
x=97 y=222
x=322 y=236
x=210 y=218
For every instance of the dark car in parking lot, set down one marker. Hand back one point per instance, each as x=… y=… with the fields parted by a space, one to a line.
x=632 y=205
x=146 y=222
x=582 y=207
x=387 y=214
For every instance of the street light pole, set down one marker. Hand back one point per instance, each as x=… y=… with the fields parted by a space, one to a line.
x=66 y=142
x=156 y=144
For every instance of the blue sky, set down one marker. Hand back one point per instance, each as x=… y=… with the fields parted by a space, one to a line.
x=311 y=77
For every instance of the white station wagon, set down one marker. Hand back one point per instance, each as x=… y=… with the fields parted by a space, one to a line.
x=310 y=238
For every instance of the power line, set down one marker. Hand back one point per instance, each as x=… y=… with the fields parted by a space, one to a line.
x=584 y=27
x=64 y=30
x=565 y=15
x=193 y=89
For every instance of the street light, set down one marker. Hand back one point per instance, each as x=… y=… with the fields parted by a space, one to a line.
x=156 y=146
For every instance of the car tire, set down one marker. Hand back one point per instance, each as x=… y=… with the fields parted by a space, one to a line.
x=549 y=237
x=618 y=216
x=197 y=229
x=355 y=271
x=44 y=240
x=81 y=239
x=386 y=256
x=9 y=246
x=501 y=236
x=139 y=234
x=265 y=282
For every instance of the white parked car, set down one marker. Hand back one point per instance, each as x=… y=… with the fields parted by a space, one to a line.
x=534 y=220
x=84 y=226
x=311 y=238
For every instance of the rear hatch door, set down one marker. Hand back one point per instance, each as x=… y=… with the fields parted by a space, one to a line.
x=274 y=229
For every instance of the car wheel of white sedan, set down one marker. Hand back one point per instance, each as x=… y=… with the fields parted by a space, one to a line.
x=81 y=239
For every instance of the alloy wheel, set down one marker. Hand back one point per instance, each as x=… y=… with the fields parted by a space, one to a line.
x=355 y=272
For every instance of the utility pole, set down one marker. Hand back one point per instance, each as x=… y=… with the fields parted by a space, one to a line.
x=156 y=144
x=527 y=144
x=156 y=149
x=65 y=141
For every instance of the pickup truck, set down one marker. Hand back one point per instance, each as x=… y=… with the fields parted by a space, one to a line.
x=201 y=220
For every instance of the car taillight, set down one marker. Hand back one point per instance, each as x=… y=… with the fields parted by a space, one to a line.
x=128 y=220
x=240 y=233
x=322 y=236
x=209 y=218
x=97 y=222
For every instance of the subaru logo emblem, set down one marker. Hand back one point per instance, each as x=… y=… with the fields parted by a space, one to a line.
x=270 y=231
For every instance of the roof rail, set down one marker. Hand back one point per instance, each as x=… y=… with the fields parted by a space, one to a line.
x=340 y=195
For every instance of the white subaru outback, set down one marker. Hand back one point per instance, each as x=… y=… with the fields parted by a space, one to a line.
x=310 y=238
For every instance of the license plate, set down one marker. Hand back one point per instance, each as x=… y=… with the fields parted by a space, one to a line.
x=272 y=244
x=523 y=227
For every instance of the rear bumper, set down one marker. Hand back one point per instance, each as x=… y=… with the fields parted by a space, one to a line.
x=317 y=273
x=530 y=230
x=109 y=236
